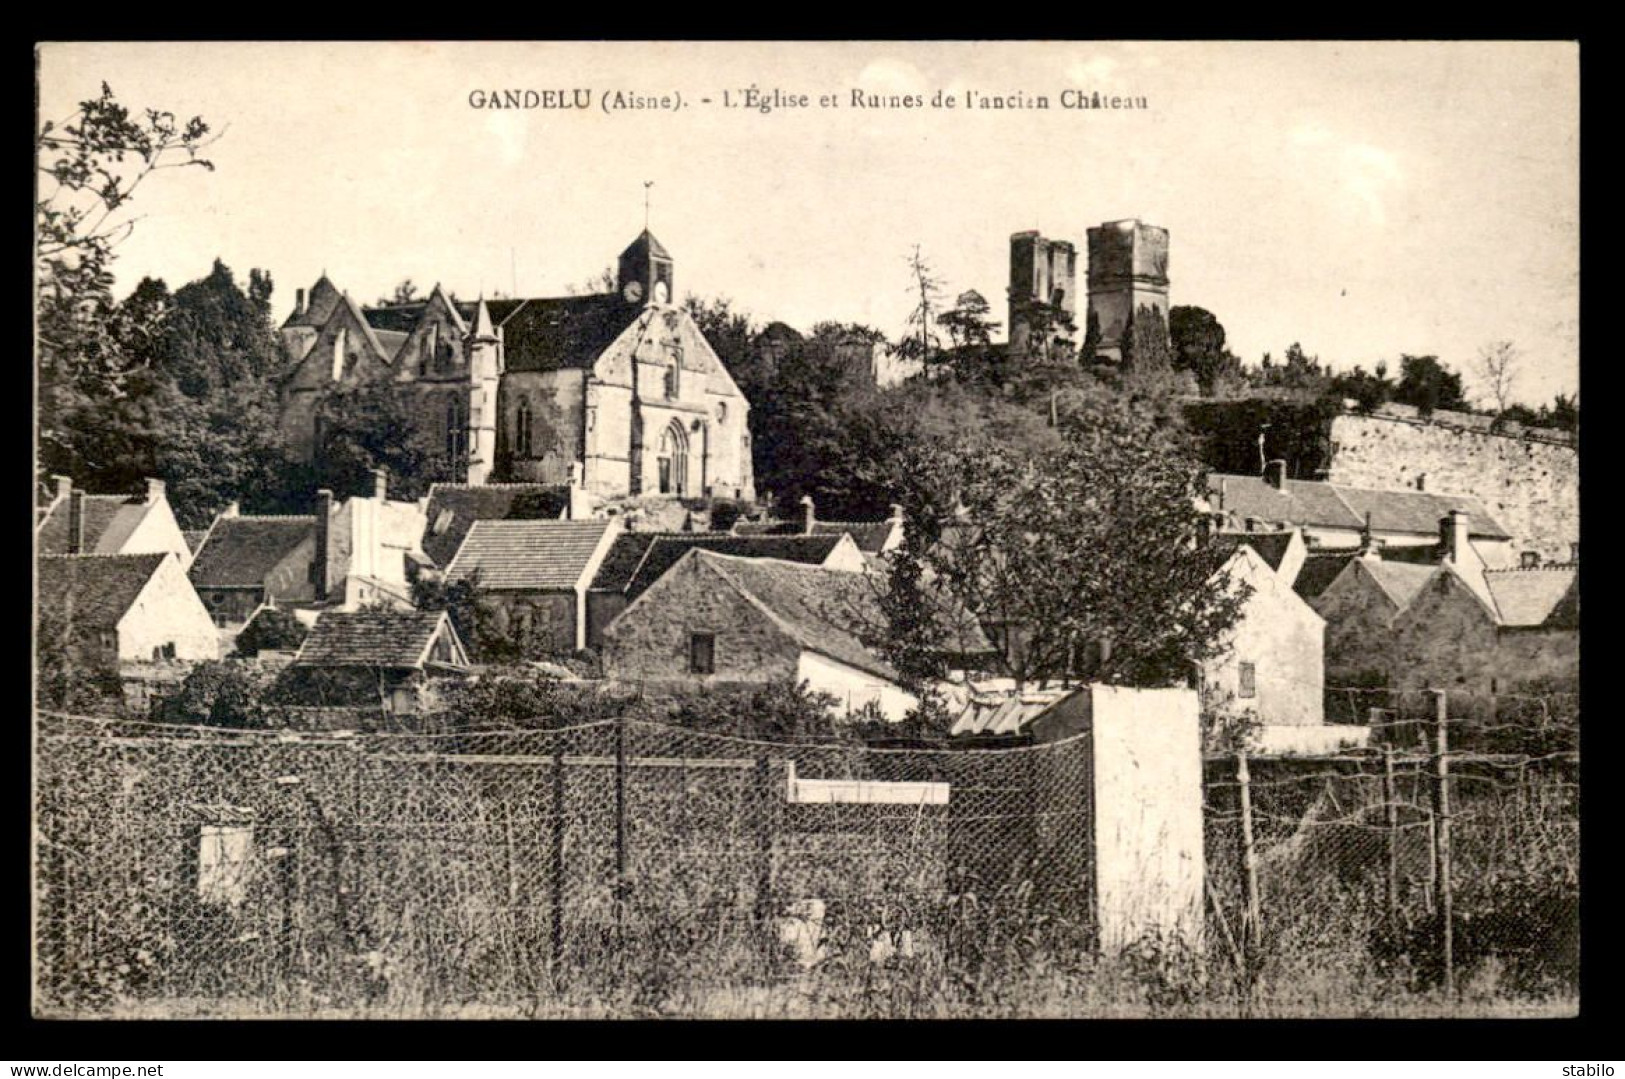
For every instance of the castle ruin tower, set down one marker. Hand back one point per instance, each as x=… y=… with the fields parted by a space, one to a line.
x=1128 y=278
x=484 y=345
x=1042 y=276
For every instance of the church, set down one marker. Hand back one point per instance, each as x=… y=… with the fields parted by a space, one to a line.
x=616 y=392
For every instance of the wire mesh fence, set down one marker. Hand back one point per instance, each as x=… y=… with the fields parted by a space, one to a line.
x=625 y=867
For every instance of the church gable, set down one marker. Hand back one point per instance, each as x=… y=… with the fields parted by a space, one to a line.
x=433 y=349
x=346 y=350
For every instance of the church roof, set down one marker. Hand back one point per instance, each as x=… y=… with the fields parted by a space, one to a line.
x=870 y=536
x=646 y=245
x=567 y=332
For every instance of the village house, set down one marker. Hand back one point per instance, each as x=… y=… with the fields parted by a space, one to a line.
x=1490 y=634
x=454 y=507
x=74 y=522
x=106 y=611
x=1335 y=515
x=872 y=537
x=621 y=386
x=534 y=577
x=359 y=551
x=1269 y=667
x=392 y=659
x=638 y=559
x=717 y=619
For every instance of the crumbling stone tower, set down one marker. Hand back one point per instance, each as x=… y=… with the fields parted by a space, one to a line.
x=1042 y=284
x=1128 y=278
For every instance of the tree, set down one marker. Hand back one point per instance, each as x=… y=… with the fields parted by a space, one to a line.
x=370 y=426
x=967 y=322
x=405 y=292
x=1035 y=545
x=1145 y=342
x=1197 y=341
x=89 y=167
x=921 y=341
x=271 y=629
x=1368 y=389
x=1428 y=385
x=1497 y=369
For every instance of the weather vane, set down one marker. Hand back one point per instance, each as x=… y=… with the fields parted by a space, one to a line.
x=647 y=184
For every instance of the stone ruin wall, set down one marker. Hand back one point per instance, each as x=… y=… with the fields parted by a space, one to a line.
x=1530 y=484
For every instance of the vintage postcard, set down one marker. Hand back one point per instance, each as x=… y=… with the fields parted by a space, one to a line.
x=806 y=530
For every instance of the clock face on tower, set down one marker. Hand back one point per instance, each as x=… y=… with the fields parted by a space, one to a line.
x=633 y=292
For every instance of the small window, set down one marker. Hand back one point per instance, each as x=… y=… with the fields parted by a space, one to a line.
x=702 y=653
x=722 y=412
x=1249 y=680
x=223 y=862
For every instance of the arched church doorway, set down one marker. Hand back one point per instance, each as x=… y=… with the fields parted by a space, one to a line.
x=673 y=460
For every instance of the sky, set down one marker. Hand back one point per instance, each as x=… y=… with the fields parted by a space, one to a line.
x=1363 y=199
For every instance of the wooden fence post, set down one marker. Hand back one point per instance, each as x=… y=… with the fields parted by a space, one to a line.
x=1251 y=920
x=620 y=832
x=1390 y=797
x=764 y=838
x=1441 y=836
x=558 y=864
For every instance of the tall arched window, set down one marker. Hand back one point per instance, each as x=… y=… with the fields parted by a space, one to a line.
x=456 y=430
x=673 y=460
x=521 y=428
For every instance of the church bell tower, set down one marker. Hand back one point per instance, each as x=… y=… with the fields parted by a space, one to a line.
x=645 y=274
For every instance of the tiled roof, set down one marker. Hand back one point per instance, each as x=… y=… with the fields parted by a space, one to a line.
x=241 y=551
x=1271 y=546
x=454 y=507
x=529 y=555
x=1320 y=568
x=1532 y=597
x=870 y=536
x=566 y=332
x=1327 y=505
x=1419 y=511
x=194 y=538
x=825 y=611
x=1400 y=580
x=94 y=591
x=657 y=552
x=395 y=318
x=389 y=639
x=109 y=521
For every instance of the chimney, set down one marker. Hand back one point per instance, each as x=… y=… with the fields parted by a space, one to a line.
x=1529 y=560
x=1453 y=535
x=155 y=491
x=76 y=522
x=1421 y=481
x=324 y=511
x=232 y=509
x=1370 y=546
x=380 y=484
x=64 y=486
x=809 y=515
x=896 y=512
x=1275 y=473
x=1221 y=493
x=298 y=302
x=1252 y=524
